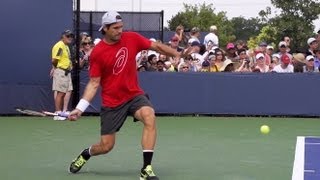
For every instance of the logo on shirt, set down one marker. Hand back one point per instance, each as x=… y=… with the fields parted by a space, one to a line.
x=121 y=60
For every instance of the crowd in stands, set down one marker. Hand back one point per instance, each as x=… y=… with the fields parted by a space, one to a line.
x=209 y=56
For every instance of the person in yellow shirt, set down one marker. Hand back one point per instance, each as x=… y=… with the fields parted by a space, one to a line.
x=61 y=62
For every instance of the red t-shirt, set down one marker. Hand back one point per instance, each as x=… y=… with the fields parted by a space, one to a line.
x=116 y=65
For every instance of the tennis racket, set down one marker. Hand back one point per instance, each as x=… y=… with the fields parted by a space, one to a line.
x=29 y=112
x=38 y=113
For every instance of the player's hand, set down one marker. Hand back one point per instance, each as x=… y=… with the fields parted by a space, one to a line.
x=74 y=115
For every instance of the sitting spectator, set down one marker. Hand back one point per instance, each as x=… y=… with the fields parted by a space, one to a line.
x=244 y=63
x=309 y=67
x=313 y=45
x=152 y=60
x=205 y=66
x=274 y=61
x=142 y=68
x=284 y=66
x=169 y=67
x=227 y=66
x=184 y=67
x=298 y=62
x=231 y=52
x=160 y=66
x=260 y=63
x=219 y=59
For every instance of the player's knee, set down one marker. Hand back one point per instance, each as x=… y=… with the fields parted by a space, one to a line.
x=106 y=147
x=149 y=120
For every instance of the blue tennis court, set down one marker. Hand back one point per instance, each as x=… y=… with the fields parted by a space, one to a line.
x=307 y=159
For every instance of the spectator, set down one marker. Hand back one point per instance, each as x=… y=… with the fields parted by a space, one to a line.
x=142 y=68
x=313 y=45
x=211 y=37
x=181 y=35
x=205 y=66
x=174 y=44
x=61 y=62
x=263 y=49
x=220 y=58
x=152 y=60
x=284 y=66
x=283 y=49
x=260 y=63
x=169 y=67
x=298 y=62
x=227 y=66
x=309 y=67
x=195 y=34
x=274 y=61
x=85 y=51
x=287 y=39
x=184 y=67
x=160 y=66
x=244 y=63
x=231 y=52
x=270 y=50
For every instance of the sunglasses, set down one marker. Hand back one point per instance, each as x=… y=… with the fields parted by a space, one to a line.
x=69 y=36
x=86 y=43
x=186 y=67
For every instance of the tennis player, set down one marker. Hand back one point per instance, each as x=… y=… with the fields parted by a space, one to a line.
x=113 y=66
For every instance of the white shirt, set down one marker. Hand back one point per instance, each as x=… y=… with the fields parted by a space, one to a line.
x=211 y=37
x=279 y=69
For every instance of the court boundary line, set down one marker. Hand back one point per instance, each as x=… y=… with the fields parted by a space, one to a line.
x=298 y=165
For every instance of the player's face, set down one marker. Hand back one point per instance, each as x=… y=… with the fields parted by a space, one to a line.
x=113 y=33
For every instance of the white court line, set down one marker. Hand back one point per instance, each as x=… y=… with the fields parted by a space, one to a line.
x=312 y=143
x=298 y=166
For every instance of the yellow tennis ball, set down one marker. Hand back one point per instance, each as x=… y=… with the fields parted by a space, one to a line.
x=264 y=129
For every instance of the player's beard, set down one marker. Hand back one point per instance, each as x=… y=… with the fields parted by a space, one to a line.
x=115 y=38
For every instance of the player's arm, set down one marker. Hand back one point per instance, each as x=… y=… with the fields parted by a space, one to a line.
x=89 y=92
x=166 y=50
x=91 y=88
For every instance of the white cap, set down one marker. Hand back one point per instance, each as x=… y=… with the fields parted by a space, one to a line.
x=270 y=47
x=153 y=39
x=309 y=57
x=259 y=55
x=311 y=40
x=282 y=43
x=276 y=55
x=212 y=28
x=110 y=17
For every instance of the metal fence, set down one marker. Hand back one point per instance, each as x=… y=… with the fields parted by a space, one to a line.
x=149 y=24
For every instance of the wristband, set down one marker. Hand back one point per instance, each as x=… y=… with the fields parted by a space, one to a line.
x=82 y=105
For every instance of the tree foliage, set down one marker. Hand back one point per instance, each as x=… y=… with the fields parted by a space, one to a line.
x=295 y=20
x=245 y=28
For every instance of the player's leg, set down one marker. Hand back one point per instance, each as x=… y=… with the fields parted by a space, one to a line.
x=111 y=122
x=66 y=101
x=145 y=113
x=103 y=147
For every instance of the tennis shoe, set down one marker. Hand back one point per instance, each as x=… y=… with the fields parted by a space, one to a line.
x=148 y=174
x=77 y=164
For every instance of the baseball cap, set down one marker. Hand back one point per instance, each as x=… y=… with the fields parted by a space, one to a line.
x=263 y=44
x=311 y=40
x=282 y=43
x=195 y=43
x=259 y=55
x=230 y=46
x=213 y=28
x=67 y=32
x=285 y=59
x=270 y=47
x=206 y=63
x=310 y=57
x=110 y=17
